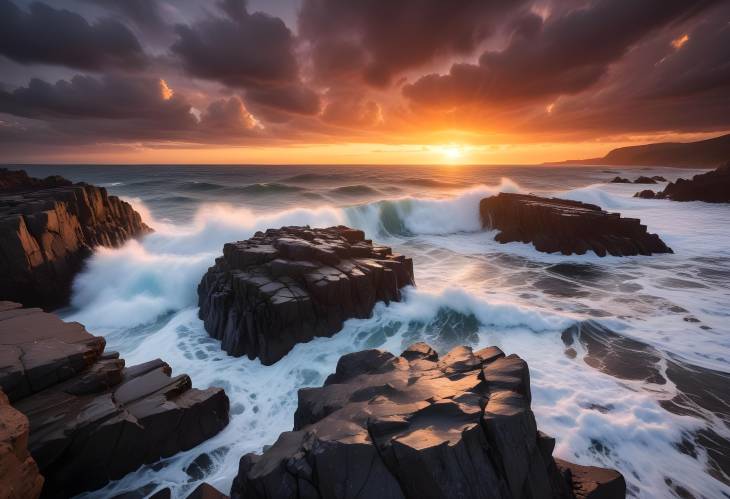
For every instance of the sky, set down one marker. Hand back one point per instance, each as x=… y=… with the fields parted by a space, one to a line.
x=357 y=82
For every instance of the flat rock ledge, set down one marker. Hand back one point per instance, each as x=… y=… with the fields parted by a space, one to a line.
x=289 y=285
x=420 y=426
x=559 y=225
x=710 y=187
x=92 y=419
x=48 y=227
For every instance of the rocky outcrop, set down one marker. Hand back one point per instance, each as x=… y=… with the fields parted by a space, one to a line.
x=19 y=476
x=559 y=225
x=48 y=227
x=620 y=180
x=711 y=187
x=93 y=419
x=289 y=285
x=419 y=426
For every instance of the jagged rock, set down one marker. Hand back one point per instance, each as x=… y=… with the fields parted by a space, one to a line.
x=658 y=178
x=644 y=180
x=620 y=180
x=289 y=285
x=91 y=418
x=711 y=187
x=47 y=229
x=560 y=225
x=19 y=476
x=415 y=426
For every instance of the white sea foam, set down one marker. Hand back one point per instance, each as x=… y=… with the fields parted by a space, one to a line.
x=471 y=290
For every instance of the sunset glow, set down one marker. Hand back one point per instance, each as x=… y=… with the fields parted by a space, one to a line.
x=325 y=82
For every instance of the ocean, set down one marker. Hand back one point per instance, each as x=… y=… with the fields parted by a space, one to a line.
x=470 y=290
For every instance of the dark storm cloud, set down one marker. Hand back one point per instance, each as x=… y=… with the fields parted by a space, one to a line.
x=146 y=14
x=52 y=36
x=376 y=40
x=86 y=97
x=566 y=54
x=238 y=50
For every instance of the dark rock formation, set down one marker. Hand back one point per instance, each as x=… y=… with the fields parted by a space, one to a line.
x=47 y=229
x=554 y=225
x=19 y=476
x=289 y=285
x=644 y=180
x=418 y=426
x=645 y=194
x=206 y=491
x=620 y=180
x=91 y=418
x=711 y=187
x=658 y=178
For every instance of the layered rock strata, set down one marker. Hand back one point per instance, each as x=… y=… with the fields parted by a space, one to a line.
x=289 y=285
x=560 y=225
x=93 y=419
x=48 y=227
x=711 y=187
x=419 y=426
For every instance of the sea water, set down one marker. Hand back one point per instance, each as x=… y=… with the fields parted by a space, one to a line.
x=470 y=290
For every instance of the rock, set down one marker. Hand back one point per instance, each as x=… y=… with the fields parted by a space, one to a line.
x=711 y=187
x=644 y=180
x=590 y=482
x=416 y=426
x=620 y=180
x=91 y=418
x=658 y=178
x=646 y=194
x=560 y=225
x=206 y=491
x=19 y=476
x=289 y=285
x=47 y=229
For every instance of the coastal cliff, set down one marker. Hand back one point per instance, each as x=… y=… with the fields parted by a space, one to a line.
x=48 y=227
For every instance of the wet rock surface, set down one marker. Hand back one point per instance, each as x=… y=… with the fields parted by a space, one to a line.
x=48 y=227
x=700 y=392
x=560 y=225
x=711 y=187
x=289 y=285
x=93 y=419
x=419 y=426
x=19 y=476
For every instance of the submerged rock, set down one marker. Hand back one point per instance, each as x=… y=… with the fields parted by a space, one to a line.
x=645 y=180
x=48 y=227
x=560 y=225
x=711 y=187
x=289 y=285
x=92 y=419
x=620 y=180
x=19 y=476
x=418 y=426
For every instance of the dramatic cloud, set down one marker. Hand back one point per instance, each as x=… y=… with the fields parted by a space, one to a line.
x=564 y=54
x=376 y=40
x=51 y=36
x=239 y=50
x=186 y=73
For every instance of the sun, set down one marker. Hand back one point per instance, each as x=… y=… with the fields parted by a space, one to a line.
x=451 y=153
